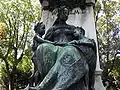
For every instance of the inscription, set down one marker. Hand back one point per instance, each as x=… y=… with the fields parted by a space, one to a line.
x=76 y=12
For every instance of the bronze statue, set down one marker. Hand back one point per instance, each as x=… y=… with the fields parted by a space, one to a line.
x=65 y=58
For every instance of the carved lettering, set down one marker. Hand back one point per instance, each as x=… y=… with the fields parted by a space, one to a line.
x=76 y=12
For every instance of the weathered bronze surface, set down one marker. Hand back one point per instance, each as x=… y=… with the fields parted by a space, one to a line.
x=65 y=59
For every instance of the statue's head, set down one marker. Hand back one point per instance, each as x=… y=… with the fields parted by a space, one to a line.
x=79 y=32
x=82 y=31
x=63 y=13
x=39 y=28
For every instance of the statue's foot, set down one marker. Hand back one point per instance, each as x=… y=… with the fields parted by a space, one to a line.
x=32 y=88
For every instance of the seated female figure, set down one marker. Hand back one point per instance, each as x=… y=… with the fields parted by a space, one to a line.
x=63 y=59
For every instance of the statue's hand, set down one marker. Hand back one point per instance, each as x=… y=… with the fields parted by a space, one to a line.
x=38 y=39
x=73 y=42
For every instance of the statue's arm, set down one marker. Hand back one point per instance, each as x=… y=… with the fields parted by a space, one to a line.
x=84 y=41
x=50 y=34
x=41 y=40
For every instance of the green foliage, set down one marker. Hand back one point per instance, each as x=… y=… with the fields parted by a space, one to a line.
x=107 y=22
x=25 y=64
x=18 y=17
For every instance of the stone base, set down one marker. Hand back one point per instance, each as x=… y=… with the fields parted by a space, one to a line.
x=99 y=84
x=98 y=81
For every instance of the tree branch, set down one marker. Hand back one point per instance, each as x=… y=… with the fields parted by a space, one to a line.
x=20 y=58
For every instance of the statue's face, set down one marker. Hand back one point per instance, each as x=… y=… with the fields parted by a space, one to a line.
x=78 y=32
x=63 y=15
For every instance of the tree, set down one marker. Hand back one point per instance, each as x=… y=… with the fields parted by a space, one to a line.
x=17 y=18
x=107 y=24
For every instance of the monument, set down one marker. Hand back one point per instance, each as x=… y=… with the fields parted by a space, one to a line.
x=64 y=47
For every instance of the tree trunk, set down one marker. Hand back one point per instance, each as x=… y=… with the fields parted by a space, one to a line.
x=11 y=84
